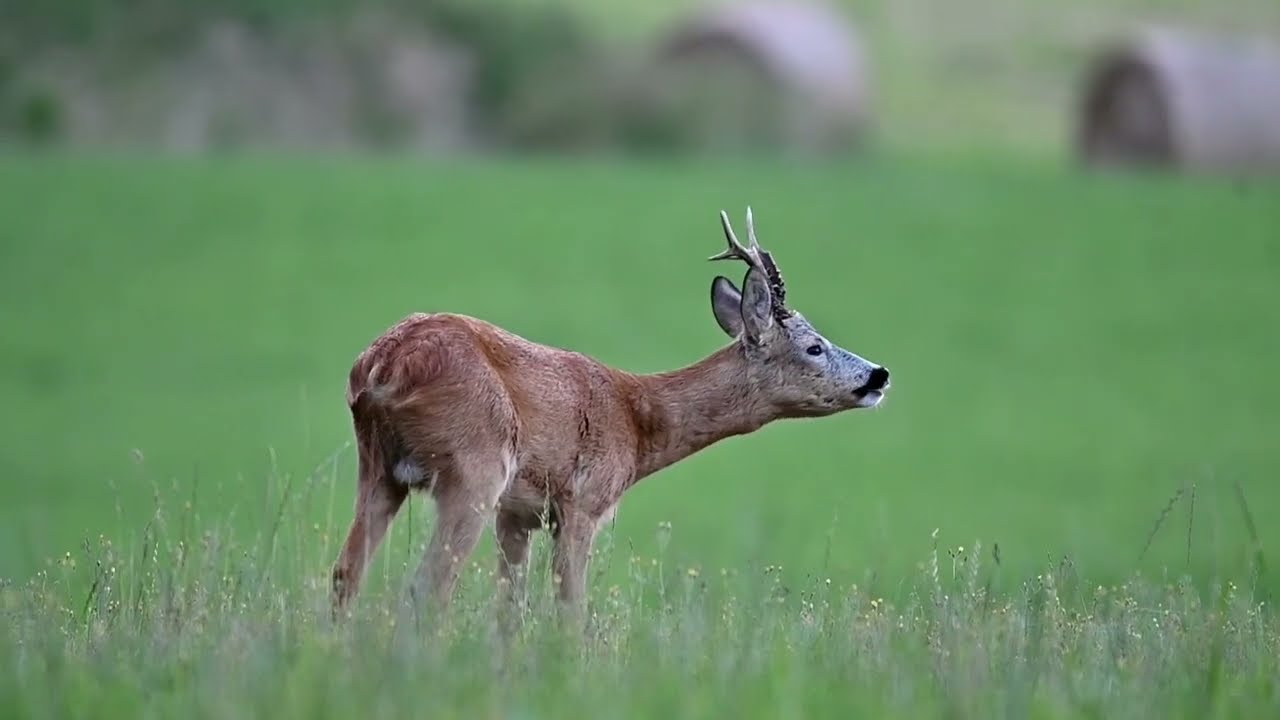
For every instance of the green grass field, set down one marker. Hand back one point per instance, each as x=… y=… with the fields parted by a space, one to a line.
x=1068 y=352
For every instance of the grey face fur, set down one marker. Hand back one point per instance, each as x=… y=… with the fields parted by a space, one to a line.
x=791 y=364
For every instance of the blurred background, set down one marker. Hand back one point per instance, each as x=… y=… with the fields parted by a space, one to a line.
x=1057 y=223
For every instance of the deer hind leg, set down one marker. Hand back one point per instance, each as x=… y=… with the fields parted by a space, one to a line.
x=570 y=556
x=377 y=502
x=466 y=498
x=514 y=535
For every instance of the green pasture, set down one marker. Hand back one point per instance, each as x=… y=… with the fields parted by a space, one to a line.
x=1067 y=350
x=1063 y=509
x=1077 y=359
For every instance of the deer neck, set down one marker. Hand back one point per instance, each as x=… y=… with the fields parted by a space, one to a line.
x=680 y=412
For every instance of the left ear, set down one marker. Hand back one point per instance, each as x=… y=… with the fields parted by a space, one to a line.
x=757 y=304
x=726 y=305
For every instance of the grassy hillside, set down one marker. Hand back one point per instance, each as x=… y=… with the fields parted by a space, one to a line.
x=983 y=73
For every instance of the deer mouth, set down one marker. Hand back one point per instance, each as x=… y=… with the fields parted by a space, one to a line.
x=870 y=394
x=867 y=398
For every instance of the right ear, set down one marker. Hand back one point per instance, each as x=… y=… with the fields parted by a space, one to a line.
x=726 y=305
x=757 y=305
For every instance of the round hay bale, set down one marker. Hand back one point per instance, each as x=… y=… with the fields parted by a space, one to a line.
x=765 y=72
x=1169 y=98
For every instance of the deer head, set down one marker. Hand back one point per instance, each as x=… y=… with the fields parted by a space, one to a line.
x=790 y=365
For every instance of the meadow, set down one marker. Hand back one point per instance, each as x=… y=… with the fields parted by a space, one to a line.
x=1083 y=377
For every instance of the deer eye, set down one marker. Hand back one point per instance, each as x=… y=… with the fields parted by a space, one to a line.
x=814 y=350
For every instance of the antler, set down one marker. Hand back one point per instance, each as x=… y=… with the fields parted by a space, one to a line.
x=736 y=250
x=756 y=257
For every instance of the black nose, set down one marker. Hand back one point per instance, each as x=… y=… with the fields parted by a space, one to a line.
x=877 y=380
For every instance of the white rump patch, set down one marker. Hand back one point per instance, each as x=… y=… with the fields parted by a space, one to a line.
x=409 y=472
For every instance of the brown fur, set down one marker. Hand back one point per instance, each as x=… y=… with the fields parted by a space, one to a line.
x=495 y=426
x=453 y=393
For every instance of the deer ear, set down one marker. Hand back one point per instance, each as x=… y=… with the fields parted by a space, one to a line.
x=726 y=305
x=757 y=304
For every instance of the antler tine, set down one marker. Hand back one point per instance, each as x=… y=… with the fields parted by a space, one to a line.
x=758 y=258
x=736 y=250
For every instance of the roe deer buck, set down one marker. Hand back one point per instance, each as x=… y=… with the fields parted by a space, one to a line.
x=498 y=427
